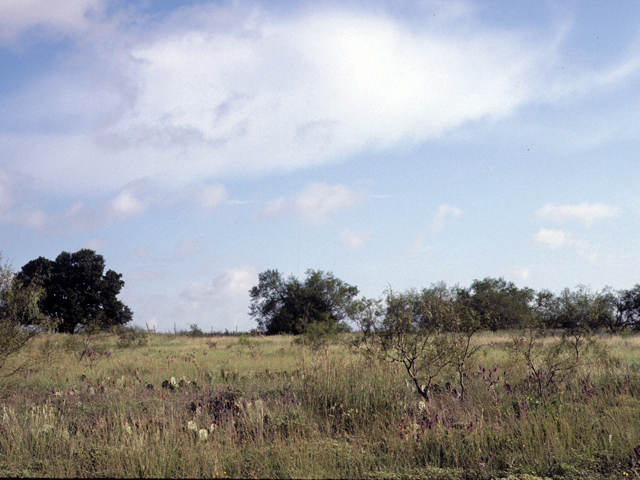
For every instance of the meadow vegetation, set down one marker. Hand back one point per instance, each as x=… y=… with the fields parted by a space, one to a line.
x=160 y=405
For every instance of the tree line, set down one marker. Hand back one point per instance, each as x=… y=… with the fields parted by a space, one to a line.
x=321 y=301
x=74 y=294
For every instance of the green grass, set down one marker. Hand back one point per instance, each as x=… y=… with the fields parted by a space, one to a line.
x=274 y=408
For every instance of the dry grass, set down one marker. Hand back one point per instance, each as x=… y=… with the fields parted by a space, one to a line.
x=273 y=408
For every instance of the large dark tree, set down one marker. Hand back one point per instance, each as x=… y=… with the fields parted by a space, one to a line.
x=500 y=303
x=78 y=294
x=290 y=306
x=624 y=308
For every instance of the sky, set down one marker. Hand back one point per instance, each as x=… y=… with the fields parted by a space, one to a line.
x=394 y=143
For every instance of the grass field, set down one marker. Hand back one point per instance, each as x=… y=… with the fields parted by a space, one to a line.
x=270 y=407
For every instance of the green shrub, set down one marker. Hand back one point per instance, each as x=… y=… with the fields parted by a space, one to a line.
x=129 y=337
x=195 y=331
x=20 y=321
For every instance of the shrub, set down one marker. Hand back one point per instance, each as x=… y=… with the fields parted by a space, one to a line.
x=20 y=321
x=429 y=336
x=129 y=337
x=195 y=331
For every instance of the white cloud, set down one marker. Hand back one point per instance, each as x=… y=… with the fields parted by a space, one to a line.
x=586 y=250
x=275 y=208
x=95 y=244
x=356 y=239
x=235 y=90
x=61 y=15
x=521 y=272
x=320 y=200
x=211 y=196
x=131 y=201
x=14 y=189
x=443 y=213
x=315 y=203
x=555 y=239
x=125 y=205
x=586 y=213
x=550 y=238
x=222 y=303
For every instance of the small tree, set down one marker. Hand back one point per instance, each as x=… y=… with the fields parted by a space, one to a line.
x=426 y=334
x=195 y=331
x=582 y=308
x=624 y=309
x=76 y=291
x=20 y=321
x=548 y=357
x=290 y=306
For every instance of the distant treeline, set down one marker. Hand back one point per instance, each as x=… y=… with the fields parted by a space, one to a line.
x=195 y=331
x=322 y=303
x=328 y=303
x=505 y=306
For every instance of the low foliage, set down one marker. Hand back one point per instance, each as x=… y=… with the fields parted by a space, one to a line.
x=178 y=408
x=129 y=337
x=428 y=335
x=20 y=322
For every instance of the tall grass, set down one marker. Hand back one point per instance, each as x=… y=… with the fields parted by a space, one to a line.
x=270 y=407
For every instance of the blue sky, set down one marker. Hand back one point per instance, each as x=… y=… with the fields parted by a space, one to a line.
x=396 y=143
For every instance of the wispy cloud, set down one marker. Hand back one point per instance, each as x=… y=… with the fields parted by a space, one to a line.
x=125 y=205
x=550 y=238
x=208 y=86
x=315 y=203
x=555 y=239
x=356 y=239
x=188 y=248
x=586 y=213
x=225 y=296
x=16 y=16
x=443 y=215
x=521 y=272
x=134 y=200
x=96 y=244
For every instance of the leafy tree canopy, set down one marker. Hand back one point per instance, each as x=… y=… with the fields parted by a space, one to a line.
x=77 y=291
x=290 y=306
x=502 y=303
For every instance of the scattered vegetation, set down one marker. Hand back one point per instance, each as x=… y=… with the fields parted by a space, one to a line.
x=487 y=382
x=259 y=407
x=20 y=321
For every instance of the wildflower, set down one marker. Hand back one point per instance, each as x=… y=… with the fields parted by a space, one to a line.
x=203 y=434
x=192 y=426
